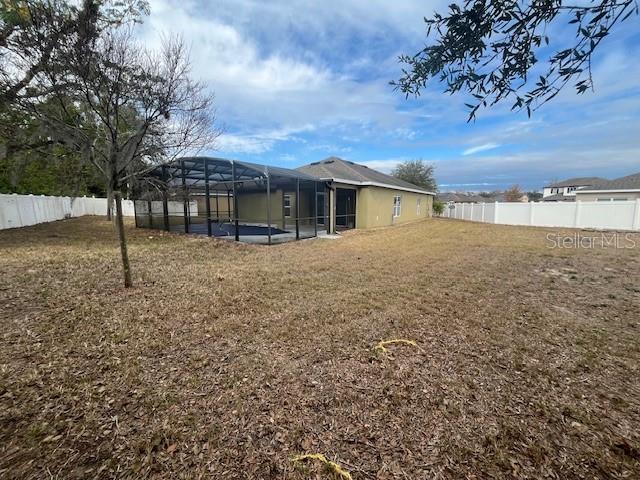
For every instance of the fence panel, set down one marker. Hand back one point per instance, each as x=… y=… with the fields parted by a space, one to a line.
x=613 y=215
x=24 y=210
x=603 y=215
x=554 y=214
x=514 y=214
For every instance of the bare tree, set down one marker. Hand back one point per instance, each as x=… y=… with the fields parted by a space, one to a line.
x=513 y=194
x=38 y=38
x=134 y=109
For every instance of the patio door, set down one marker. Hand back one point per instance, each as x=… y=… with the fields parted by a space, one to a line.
x=345 y=208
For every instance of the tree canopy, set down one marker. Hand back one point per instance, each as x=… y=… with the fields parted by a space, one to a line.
x=491 y=50
x=417 y=172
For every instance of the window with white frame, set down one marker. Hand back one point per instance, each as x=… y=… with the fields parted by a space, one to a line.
x=396 y=205
x=287 y=206
x=418 y=202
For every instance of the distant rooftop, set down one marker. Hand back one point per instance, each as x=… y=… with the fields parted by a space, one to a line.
x=464 y=197
x=578 y=182
x=630 y=182
x=338 y=169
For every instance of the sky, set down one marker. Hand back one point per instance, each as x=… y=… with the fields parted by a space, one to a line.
x=298 y=81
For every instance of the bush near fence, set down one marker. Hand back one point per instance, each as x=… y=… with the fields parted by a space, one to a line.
x=601 y=215
x=24 y=210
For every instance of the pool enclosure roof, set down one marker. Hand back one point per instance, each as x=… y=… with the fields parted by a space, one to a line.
x=221 y=172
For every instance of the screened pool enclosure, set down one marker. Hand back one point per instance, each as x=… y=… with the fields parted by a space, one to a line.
x=232 y=199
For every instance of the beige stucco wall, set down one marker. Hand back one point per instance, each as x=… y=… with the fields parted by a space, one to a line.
x=593 y=197
x=252 y=208
x=224 y=205
x=374 y=207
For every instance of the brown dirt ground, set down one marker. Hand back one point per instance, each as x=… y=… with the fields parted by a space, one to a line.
x=226 y=360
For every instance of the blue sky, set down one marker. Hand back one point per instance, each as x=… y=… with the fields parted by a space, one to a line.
x=297 y=81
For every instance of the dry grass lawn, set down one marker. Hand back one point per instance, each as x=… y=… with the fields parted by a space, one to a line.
x=227 y=360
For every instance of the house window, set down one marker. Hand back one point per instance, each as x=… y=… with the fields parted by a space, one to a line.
x=418 y=201
x=603 y=199
x=620 y=199
x=571 y=189
x=396 y=205
x=287 y=206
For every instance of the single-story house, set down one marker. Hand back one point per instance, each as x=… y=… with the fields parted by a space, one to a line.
x=266 y=204
x=357 y=196
x=565 y=190
x=620 y=189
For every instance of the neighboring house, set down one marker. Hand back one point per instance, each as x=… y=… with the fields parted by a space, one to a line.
x=565 y=191
x=359 y=197
x=620 y=189
x=457 y=197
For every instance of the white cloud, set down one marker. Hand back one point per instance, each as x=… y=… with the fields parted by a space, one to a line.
x=260 y=142
x=260 y=86
x=385 y=166
x=283 y=69
x=480 y=148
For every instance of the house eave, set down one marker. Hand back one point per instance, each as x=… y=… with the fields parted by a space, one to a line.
x=377 y=184
x=618 y=190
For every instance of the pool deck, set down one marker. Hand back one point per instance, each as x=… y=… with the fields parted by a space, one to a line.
x=261 y=239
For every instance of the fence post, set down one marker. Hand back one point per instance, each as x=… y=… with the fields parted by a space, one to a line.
x=482 y=214
x=531 y=204
x=495 y=212
x=20 y=222
x=636 y=216
x=576 y=218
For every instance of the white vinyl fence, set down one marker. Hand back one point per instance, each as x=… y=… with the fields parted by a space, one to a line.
x=602 y=215
x=23 y=210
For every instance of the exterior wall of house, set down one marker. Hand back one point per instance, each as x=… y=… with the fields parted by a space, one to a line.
x=252 y=208
x=224 y=205
x=374 y=207
x=565 y=191
x=605 y=196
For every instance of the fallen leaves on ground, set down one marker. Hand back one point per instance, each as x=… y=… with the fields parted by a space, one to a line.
x=225 y=360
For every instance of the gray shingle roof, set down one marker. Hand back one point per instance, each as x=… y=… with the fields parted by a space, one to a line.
x=463 y=198
x=578 y=182
x=630 y=182
x=339 y=169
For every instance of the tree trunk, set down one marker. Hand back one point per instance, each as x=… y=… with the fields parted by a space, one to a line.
x=109 y=203
x=123 y=241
